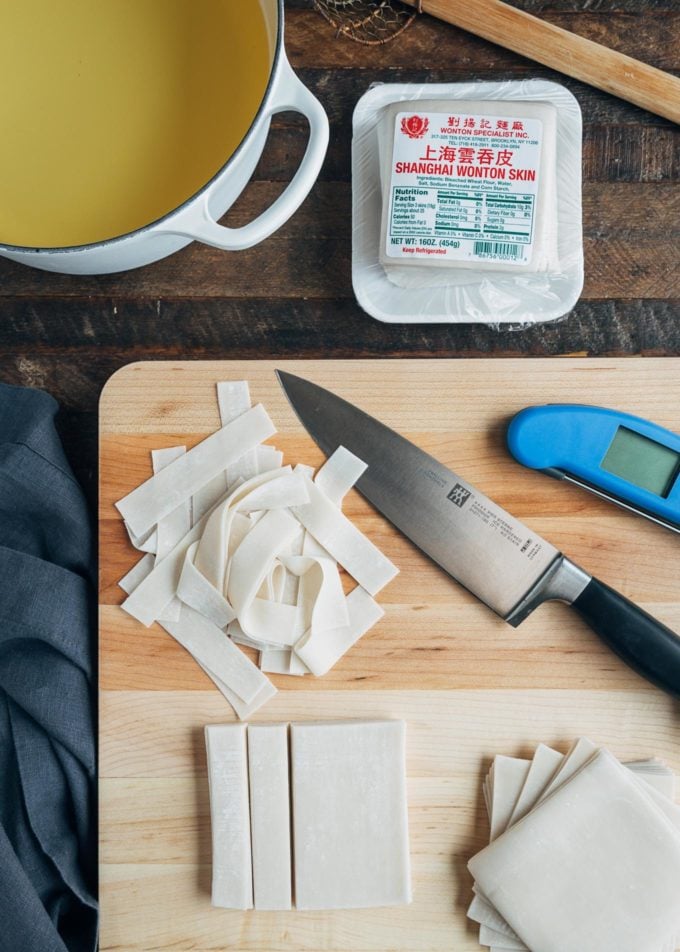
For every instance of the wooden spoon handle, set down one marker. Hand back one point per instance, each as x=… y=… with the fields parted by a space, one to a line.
x=592 y=63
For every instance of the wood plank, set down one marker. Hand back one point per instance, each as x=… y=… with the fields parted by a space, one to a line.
x=70 y=347
x=288 y=268
x=111 y=332
x=651 y=8
x=629 y=210
x=544 y=7
x=626 y=210
x=632 y=242
x=648 y=37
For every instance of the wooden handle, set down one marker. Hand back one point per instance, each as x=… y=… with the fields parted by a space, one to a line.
x=592 y=63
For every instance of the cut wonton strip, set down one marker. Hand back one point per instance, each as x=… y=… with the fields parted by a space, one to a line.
x=233 y=399
x=313 y=549
x=339 y=473
x=176 y=524
x=243 y=711
x=232 y=871
x=269 y=772
x=276 y=577
x=272 y=623
x=282 y=661
x=198 y=593
x=150 y=598
x=250 y=563
x=242 y=470
x=207 y=497
x=137 y=573
x=148 y=601
x=274 y=490
x=322 y=591
x=341 y=538
x=238 y=636
x=212 y=539
x=263 y=693
x=210 y=645
x=268 y=457
x=321 y=650
x=146 y=542
x=159 y=495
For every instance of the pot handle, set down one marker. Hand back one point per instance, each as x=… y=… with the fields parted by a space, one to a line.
x=291 y=95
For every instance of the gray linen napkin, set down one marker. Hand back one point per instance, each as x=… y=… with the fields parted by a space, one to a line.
x=47 y=742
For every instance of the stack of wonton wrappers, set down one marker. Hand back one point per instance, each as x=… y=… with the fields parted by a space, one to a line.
x=584 y=855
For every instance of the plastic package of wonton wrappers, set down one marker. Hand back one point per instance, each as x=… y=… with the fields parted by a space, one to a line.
x=467 y=202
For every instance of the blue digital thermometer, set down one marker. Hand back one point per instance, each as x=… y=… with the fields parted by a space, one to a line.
x=629 y=461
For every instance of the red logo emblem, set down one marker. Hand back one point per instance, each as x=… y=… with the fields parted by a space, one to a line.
x=415 y=127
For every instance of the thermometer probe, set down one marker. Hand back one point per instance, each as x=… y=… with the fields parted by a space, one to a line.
x=629 y=461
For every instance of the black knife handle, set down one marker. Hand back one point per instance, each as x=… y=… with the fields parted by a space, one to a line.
x=643 y=642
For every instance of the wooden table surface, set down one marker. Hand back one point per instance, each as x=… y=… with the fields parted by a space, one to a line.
x=288 y=298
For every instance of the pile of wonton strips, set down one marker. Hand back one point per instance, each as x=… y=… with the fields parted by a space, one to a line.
x=243 y=550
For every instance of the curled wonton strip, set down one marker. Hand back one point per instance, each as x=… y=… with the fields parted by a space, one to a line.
x=159 y=495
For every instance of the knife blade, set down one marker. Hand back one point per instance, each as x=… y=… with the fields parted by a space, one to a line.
x=504 y=563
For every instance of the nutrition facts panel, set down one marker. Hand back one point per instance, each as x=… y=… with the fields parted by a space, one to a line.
x=459 y=213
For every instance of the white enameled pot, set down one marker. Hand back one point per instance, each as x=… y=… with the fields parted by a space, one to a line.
x=197 y=219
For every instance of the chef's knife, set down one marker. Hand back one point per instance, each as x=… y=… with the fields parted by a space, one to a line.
x=497 y=558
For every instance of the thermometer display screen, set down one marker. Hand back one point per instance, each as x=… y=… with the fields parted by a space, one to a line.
x=642 y=461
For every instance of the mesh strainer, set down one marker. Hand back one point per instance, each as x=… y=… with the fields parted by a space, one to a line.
x=367 y=21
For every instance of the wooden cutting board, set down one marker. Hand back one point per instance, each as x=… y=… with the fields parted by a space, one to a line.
x=468 y=685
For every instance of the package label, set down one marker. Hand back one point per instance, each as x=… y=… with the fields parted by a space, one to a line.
x=463 y=187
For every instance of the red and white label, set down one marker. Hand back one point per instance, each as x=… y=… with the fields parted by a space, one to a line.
x=463 y=187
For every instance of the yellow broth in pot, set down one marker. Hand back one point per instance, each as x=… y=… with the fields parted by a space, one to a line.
x=115 y=112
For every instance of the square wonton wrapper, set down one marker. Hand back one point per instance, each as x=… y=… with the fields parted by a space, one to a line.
x=594 y=868
x=350 y=822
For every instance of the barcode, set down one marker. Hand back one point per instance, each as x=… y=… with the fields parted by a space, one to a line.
x=498 y=249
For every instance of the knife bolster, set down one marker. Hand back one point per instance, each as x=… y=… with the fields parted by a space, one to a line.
x=563 y=581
